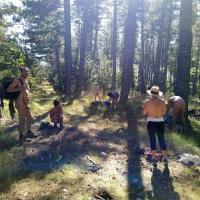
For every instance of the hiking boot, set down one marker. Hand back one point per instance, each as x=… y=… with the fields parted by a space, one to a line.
x=30 y=134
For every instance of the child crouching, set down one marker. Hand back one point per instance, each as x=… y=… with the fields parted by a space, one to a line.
x=56 y=114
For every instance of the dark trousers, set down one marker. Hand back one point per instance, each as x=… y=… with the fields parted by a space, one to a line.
x=156 y=128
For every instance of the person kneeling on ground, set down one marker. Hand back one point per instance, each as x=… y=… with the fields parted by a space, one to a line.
x=155 y=108
x=113 y=98
x=56 y=114
x=176 y=107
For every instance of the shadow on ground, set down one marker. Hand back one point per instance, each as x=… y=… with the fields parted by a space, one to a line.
x=54 y=151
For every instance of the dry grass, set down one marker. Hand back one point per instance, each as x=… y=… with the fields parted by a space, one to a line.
x=101 y=130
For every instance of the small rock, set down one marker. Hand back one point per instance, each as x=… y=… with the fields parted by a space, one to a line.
x=26 y=194
x=65 y=190
x=103 y=154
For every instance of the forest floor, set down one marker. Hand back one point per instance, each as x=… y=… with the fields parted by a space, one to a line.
x=97 y=156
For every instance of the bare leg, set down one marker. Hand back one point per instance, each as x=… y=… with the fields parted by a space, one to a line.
x=164 y=153
x=99 y=97
x=29 y=119
x=153 y=154
x=61 y=122
x=21 y=115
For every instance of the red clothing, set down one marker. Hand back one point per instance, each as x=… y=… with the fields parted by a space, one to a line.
x=56 y=114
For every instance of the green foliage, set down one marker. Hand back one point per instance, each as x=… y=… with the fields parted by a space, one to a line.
x=45 y=24
x=99 y=72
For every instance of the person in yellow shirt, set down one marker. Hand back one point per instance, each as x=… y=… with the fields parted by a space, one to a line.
x=154 y=109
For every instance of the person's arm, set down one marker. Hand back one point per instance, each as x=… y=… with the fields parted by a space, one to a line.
x=51 y=113
x=145 y=108
x=61 y=110
x=143 y=111
x=164 y=108
x=26 y=97
x=15 y=86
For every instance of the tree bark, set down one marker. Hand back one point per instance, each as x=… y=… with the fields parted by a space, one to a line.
x=58 y=66
x=95 y=50
x=166 y=51
x=184 y=51
x=152 y=59
x=156 y=79
x=129 y=51
x=194 y=88
x=83 y=46
x=114 y=46
x=141 y=66
x=67 y=48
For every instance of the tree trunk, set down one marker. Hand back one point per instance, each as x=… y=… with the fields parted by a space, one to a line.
x=156 y=79
x=129 y=51
x=184 y=51
x=58 y=67
x=166 y=51
x=95 y=50
x=83 y=46
x=141 y=66
x=67 y=48
x=114 y=46
x=194 y=88
x=152 y=59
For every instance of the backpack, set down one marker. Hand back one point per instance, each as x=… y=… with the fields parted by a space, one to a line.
x=10 y=96
x=5 y=84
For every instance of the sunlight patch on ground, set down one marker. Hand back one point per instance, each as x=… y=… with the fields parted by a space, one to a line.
x=73 y=180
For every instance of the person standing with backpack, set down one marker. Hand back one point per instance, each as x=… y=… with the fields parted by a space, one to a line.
x=21 y=85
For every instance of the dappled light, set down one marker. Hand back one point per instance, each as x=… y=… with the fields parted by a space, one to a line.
x=99 y=100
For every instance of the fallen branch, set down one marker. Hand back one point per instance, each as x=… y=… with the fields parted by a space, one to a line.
x=89 y=159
